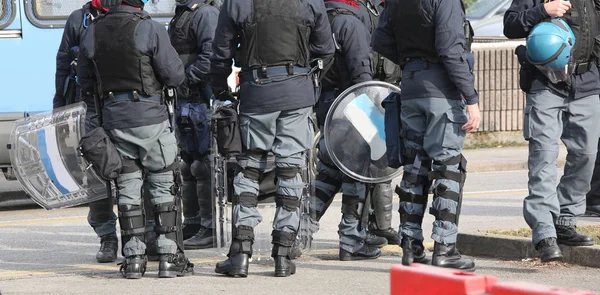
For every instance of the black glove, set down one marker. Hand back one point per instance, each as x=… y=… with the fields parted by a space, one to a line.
x=74 y=51
x=184 y=89
x=225 y=95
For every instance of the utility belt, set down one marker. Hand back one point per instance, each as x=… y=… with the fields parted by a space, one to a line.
x=581 y=68
x=131 y=96
x=257 y=75
x=330 y=89
x=417 y=64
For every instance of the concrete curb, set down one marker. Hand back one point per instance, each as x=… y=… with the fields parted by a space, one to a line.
x=518 y=248
x=503 y=159
x=503 y=166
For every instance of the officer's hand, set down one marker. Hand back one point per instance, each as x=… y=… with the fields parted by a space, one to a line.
x=474 y=118
x=557 y=8
x=74 y=51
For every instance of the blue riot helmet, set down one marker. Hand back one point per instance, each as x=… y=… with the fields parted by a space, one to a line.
x=549 y=44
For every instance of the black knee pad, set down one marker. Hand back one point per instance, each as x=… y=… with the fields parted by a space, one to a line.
x=287 y=172
x=289 y=203
x=186 y=172
x=246 y=199
x=200 y=169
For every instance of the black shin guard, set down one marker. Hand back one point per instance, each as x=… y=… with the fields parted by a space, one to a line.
x=382 y=204
x=168 y=222
x=133 y=224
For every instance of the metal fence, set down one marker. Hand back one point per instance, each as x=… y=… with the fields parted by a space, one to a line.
x=501 y=101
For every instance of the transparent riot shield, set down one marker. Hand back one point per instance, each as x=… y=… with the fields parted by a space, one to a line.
x=43 y=152
x=355 y=135
x=225 y=169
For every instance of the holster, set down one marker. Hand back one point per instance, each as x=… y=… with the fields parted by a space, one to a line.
x=393 y=127
x=97 y=148
x=527 y=70
x=228 y=137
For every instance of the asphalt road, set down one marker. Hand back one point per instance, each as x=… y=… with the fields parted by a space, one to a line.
x=52 y=252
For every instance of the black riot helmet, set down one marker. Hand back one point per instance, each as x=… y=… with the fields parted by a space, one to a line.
x=136 y=3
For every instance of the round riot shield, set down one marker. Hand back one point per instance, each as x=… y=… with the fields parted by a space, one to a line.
x=355 y=135
x=43 y=152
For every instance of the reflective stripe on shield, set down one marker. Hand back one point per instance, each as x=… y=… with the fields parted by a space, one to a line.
x=355 y=132
x=43 y=152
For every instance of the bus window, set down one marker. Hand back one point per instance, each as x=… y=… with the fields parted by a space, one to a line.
x=53 y=13
x=8 y=13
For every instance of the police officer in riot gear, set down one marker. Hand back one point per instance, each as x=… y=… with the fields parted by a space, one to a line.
x=127 y=60
x=566 y=110
x=101 y=216
x=380 y=219
x=351 y=65
x=427 y=39
x=191 y=32
x=279 y=42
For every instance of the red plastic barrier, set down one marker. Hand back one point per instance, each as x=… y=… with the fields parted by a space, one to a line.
x=419 y=279
x=524 y=288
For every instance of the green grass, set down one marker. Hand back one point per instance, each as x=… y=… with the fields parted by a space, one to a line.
x=592 y=230
x=494 y=144
x=468 y=3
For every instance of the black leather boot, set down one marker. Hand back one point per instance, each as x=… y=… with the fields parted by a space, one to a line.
x=284 y=266
x=448 y=256
x=592 y=210
x=568 y=235
x=413 y=251
x=549 y=250
x=235 y=266
x=189 y=230
x=174 y=265
x=108 y=249
x=133 y=267
x=366 y=252
x=237 y=263
x=375 y=241
x=201 y=240
x=390 y=234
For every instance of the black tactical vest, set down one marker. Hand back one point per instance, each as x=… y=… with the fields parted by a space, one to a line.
x=180 y=33
x=416 y=34
x=373 y=14
x=338 y=76
x=277 y=36
x=121 y=66
x=583 y=20
x=383 y=68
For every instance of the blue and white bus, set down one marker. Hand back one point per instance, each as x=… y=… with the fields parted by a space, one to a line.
x=30 y=34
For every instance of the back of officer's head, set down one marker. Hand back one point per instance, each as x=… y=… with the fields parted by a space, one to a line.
x=136 y=3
